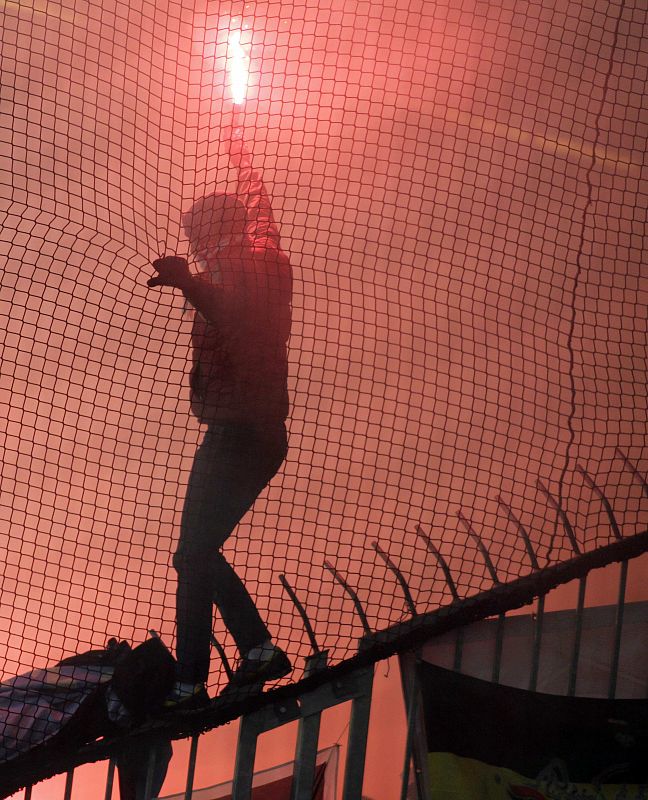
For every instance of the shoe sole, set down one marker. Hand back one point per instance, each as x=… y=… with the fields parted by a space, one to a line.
x=258 y=682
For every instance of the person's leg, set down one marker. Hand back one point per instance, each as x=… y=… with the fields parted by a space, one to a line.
x=237 y=608
x=254 y=458
x=195 y=566
x=231 y=468
x=194 y=616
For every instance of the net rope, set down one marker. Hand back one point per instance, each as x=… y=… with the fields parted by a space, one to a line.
x=460 y=188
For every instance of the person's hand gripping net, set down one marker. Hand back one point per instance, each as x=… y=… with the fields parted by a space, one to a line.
x=171 y=271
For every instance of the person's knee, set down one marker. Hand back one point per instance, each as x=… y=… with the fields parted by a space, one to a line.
x=193 y=561
x=220 y=564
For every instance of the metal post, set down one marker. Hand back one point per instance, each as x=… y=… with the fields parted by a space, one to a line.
x=357 y=743
x=537 y=643
x=110 y=779
x=67 y=794
x=412 y=711
x=616 y=530
x=191 y=769
x=245 y=755
x=582 y=584
x=307 y=740
x=150 y=772
x=458 y=653
x=409 y=666
x=499 y=646
x=306 y=757
x=618 y=630
x=537 y=628
x=573 y=670
x=252 y=726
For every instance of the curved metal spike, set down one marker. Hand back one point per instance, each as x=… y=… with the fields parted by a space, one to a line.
x=440 y=560
x=480 y=545
x=352 y=594
x=223 y=657
x=409 y=600
x=562 y=514
x=634 y=470
x=522 y=531
x=302 y=613
x=606 y=503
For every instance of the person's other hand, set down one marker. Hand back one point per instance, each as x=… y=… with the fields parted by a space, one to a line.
x=171 y=271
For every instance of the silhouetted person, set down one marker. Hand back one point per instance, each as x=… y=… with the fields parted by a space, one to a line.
x=239 y=391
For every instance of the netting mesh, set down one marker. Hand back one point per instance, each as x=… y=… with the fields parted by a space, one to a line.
x=460 y=187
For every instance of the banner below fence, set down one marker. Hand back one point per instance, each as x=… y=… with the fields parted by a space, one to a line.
x=491 y=742
x=276 y=783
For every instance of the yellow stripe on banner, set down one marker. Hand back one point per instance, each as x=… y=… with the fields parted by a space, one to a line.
x=457 y=778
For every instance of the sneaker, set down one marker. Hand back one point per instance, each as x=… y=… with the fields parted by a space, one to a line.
x=186 y=697
x=269 y=666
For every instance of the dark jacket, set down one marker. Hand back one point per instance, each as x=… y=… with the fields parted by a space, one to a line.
x=240 y=362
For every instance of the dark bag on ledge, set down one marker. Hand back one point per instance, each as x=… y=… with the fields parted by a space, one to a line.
x=47 y=714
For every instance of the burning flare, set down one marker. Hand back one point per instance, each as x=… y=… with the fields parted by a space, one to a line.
x=238 y=67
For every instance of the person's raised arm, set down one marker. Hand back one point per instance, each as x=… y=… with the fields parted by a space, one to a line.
x=260 y=226
x=174 y=271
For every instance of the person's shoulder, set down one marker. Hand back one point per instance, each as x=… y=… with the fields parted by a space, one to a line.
x=268 y=268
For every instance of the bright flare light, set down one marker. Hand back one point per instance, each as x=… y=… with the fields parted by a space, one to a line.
x=238 y=68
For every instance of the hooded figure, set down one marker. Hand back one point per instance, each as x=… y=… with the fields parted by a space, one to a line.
x=238 y=383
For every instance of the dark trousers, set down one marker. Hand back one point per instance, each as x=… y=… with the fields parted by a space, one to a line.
x=231 y=468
